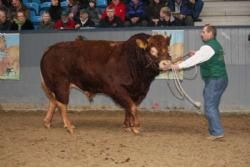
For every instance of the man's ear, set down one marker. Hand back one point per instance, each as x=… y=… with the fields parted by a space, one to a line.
x=141 y=44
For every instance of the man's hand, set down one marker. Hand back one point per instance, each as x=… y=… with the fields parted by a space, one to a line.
x=191 y=52
x=175 y=67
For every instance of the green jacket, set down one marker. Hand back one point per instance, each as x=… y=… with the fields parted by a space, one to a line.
x=215 y=67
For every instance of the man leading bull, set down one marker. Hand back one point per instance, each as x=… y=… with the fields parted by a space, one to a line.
x=213 y=72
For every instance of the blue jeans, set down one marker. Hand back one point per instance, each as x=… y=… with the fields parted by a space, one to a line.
x=213 y=90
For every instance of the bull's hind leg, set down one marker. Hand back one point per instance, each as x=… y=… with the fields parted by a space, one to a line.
x=67 y=124
x=49 y=115
x=51 y=108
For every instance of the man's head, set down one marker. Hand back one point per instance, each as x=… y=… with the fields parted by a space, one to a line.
x=46 y=17
x=65 y=16
x=20 y=16
x=83 y=14
x=16 y=3
x=115 y=2
x=110 y=12
x=208 y=32
x=3 y=17
x=55 y=2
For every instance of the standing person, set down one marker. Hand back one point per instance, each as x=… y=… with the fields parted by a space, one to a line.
x=213 y=71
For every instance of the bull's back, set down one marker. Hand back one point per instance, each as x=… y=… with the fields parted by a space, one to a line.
x=80 y=61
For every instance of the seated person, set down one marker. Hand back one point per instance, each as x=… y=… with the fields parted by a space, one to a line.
x=165 y=19
x=46 y=23
x=55 y=10
x=94 y=12
x=17 y=5
x=65 y=22
x=110 y=20
x=153 y=10
x=197 y=8
x=4 y=23
x=136 y=14
x=84 y=20
x=119 y=9
x=182 y=11
x=21 y=22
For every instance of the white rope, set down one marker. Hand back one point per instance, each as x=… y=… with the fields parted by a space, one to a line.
x=182 y=91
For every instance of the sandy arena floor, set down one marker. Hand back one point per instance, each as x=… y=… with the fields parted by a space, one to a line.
x=167 y=140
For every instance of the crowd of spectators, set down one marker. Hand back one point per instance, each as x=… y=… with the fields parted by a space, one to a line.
x=77 y=14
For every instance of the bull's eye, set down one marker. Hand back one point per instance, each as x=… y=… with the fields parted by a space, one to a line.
x=154 y=52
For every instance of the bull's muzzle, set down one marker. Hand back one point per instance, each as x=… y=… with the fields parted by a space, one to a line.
x=165 y=65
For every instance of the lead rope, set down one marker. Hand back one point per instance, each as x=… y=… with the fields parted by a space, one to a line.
x=182 y=92
x=180 y=89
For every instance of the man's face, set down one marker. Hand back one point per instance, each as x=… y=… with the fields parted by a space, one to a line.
x=55 y=2
x=15 y=3
x=83 y=16
x=46 y=17
x=2 y=17
x=20 y=16
x=110 y=13
x=206 y=35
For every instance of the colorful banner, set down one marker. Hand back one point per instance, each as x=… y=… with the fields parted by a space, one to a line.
x=176 y=49
x=9 y=56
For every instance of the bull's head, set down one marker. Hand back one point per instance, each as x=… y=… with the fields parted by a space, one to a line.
x=156 y=48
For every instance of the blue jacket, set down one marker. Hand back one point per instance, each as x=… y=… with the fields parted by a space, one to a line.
x=185 y=9
x=136 y=11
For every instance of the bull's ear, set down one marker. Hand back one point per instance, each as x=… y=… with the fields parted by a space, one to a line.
x=141 y=44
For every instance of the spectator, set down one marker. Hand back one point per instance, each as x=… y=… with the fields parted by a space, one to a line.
x=73 y=9
x=183 y=11
x=165 y=19
x=83 y=4
x=136 y=14
x=154 y=10
x=55 y=10
x=46 y=23
x=21 y=22
x=110 y=20
x=197 y=8
x=94 y=13
x=4 y=23
x=119 y=9
x=84 y=20
x=65 y=22
x=17 y=5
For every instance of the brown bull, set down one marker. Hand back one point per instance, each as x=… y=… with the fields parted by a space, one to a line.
x=122 y=70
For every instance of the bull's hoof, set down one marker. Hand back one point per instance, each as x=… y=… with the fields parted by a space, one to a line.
x=127 y=129
x=70 y=129
x=135 y=130
x=46 y=124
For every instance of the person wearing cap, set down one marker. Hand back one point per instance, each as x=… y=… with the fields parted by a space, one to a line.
x=84 y=20
x=65 y=22
x=110 y=20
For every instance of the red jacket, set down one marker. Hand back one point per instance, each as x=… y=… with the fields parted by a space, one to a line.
x=120 y=10
x=69 y=25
